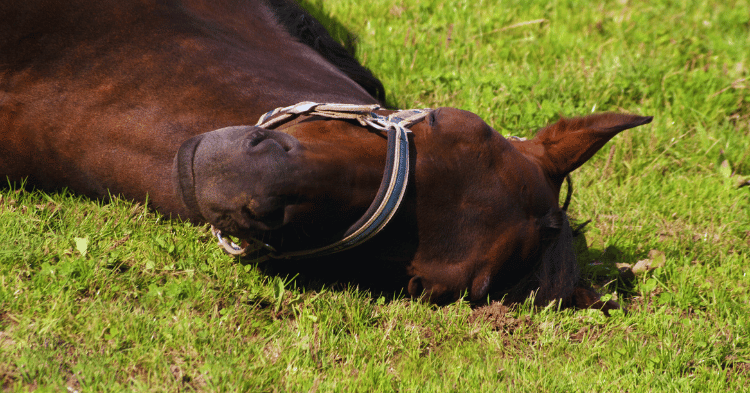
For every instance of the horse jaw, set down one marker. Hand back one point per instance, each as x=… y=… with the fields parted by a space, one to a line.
x=562 y=147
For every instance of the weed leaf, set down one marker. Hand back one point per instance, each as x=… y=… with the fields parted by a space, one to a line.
x=278 y=293
x=82 y=245
x=725 y=169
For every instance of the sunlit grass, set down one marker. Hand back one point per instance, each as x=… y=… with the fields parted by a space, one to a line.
x=110 y=296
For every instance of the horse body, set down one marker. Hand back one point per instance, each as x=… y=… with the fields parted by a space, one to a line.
x=98 y=95
x=122 y=97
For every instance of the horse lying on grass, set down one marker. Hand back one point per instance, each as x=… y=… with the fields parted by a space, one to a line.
x=153 y=98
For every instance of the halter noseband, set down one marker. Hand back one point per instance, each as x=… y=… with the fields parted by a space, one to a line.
x=392 y=187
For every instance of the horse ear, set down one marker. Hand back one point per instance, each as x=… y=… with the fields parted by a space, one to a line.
x=566 y=145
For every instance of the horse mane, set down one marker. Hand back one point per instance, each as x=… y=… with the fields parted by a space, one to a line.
x=556 y=272
x=309 y=31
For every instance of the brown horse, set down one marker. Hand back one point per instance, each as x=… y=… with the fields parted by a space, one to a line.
x=121 y=97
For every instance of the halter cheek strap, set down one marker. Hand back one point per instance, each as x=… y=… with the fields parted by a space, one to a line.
x=392 y=187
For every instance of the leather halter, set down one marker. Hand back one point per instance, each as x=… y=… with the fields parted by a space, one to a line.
x=392 y=187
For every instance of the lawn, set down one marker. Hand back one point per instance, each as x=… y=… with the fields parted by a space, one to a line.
x=99 y=296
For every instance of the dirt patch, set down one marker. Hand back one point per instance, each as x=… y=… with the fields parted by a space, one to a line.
x=742 y=368
x=587 y=333
x=73 y=384
x=580 y=334
x=498 y=316
x=8 y=377
x=738 y=370
x=6 y=341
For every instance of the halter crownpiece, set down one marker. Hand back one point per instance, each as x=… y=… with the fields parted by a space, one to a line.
x=392 y=187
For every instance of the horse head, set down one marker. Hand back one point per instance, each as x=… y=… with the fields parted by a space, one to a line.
x=481 y=214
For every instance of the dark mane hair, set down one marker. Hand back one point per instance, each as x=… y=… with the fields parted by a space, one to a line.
x=308 y=30
x=556 y=272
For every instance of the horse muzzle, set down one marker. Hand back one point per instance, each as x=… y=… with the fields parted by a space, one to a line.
x=236 y=177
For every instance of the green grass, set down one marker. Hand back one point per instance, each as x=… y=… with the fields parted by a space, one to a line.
x=110 y=297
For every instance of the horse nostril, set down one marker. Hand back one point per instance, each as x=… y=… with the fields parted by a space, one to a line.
x=251 y=142
x=256 y=136
x=286 y=146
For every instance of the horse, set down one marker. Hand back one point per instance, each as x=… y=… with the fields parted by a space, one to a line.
x=175 y=102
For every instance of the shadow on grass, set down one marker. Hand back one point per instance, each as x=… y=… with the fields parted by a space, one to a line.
x=381 y=279
x=389 y=279
x=600 y=267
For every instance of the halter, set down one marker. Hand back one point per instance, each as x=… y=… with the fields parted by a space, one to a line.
x=392 y=187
